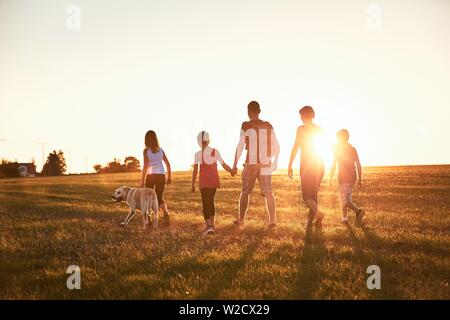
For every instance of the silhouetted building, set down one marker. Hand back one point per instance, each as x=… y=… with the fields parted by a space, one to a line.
x=27 y=169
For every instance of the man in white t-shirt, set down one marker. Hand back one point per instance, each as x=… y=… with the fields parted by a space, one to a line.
x=258 y=138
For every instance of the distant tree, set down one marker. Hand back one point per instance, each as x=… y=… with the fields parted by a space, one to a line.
x=9 y=169
x=98 y=168
x=55 y=164
x=115 y=166
x=132 y=164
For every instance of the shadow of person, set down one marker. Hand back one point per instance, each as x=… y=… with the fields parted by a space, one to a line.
x=308 y=270
x=366 y=253
x=355 y=242
x=308 y=235
x=364 y=250
x=371 y=236
x=221 y=273
x=223 y=278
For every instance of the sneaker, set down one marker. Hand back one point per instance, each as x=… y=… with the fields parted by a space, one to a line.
x=208 y=231
x=359 y=216
x=344 y=219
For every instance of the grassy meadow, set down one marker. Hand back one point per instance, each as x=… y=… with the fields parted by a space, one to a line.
x=47 y=224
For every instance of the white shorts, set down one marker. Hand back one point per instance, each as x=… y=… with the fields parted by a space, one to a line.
x=346 y=190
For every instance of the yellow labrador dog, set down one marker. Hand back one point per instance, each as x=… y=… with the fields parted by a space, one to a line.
x=143 y=199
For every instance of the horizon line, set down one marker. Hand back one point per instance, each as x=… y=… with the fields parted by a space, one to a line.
x=283 y=169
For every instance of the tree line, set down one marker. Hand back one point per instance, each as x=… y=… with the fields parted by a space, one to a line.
x=56 y=165
x=130 y=164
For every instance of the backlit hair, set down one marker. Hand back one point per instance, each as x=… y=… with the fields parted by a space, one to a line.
x=151 y=141
x=307 y=112
x=343 y=135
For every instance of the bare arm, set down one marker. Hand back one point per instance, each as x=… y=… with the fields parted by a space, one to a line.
x=228 y=168
x=194 y=176
x=224 y=165
x=169 y=170
x=359 y=168
x=333 y=170
x=294 y=153
x=239 y=150
x=144 y=169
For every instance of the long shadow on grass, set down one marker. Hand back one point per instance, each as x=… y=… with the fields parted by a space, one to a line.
x=312 y=255
x=224 y=280
x=165 y=273
x=403 y=246
x=372 y=237
x=365 y=259
x=223 y=276
x=356 y=243
x=112 y=285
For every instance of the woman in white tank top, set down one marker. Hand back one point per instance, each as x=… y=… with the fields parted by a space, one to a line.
x=153 y=173
x=155 y=160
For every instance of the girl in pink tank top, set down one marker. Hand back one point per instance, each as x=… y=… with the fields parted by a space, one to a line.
x=209 y=176
x=209 y=181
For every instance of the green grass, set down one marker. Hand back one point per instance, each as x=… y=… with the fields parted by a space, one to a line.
x=47 y=224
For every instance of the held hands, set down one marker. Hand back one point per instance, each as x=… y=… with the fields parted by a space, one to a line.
x=234 y=171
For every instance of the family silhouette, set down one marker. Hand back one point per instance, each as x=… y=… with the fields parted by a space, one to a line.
x=258 y=139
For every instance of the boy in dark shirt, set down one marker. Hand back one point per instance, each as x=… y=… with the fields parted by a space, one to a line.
x=347 y=160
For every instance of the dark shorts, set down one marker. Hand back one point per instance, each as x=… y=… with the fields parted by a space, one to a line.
x=310 y=182
x=158 y=183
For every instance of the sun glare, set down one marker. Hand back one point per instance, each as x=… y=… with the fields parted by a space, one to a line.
x=324 y=147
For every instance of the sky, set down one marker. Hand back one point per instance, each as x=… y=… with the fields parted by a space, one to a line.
x=90 y=77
